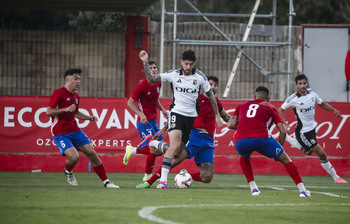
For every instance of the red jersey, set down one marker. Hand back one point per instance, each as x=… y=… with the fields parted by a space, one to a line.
x=146 y=96
x=206 y=117
x=65 y=122
x=254 y=119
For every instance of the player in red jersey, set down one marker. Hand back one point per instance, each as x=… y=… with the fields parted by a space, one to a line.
x=63 y=108
x=201 y=142
x=146 y=94
x=252 y=120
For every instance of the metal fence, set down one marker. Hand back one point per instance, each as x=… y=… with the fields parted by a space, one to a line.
x=32 y=63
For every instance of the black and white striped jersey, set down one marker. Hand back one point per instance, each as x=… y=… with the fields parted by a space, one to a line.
x=186 y=90
x=304 y=109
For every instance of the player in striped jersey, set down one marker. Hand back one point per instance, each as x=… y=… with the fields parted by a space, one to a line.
x=186 y=84
x=201 y=143
x=303 y=103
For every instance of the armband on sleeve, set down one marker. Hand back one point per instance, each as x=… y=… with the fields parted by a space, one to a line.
x=222 y=113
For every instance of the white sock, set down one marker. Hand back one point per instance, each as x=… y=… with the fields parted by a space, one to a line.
x=253 y=185
x=106 y=181
x=301 y=187
x=293 y=142
x=329 y=168
x=166 y=166
x=154 y=143
x=164 y=174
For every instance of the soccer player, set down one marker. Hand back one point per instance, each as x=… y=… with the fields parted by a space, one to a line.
x=63 y=108
x=186 y=83
x=303 y=103
x=146 y=94
x=252 y=119
x=201 y=142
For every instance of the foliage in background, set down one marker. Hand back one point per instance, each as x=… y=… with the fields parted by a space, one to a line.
x=35 y=20
x=98 y=21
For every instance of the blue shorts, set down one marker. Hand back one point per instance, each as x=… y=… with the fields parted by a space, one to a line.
x=201 y=147
x=268 y=147
x=147 y=129
x=66 y=141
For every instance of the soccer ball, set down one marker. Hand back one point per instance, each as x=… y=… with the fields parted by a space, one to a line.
x=183 y=180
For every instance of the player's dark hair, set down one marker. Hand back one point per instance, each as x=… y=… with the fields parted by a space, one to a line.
x=214 y=78
x=263 y=89
x=72 y=71
x=300 y=77
x=152 y=63
x=189 y=55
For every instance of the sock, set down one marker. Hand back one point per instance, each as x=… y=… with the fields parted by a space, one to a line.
x=196 y=176
x=100 y=171
x=166 y=166
x=158 y=145
x=301 y=187
x=154 y=143
x=106 y=181
x=247 y=169
x=144 y=151
x=253 y=185
x=155 y=176
x=151 y=159
x=329 y=168
x=293 y=172
x=293 y=142
x=69 y=168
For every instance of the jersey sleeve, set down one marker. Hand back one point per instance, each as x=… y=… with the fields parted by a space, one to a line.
x=236 y=112
x=136 y=94
x=166 y=76
x=318 y=99
x=288 y=103
x=205 y=85
x=220 y=107
x=276 y=116
x=54 y=99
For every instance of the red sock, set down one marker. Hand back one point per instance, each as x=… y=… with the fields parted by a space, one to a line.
x=100 y=171
x=69 y=168
x=151 y=159
x=155 y=176
x=144 y=151
x=246 y=168
x=293 y=172
x=196 y=176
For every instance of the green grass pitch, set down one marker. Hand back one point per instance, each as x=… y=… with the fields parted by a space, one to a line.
x=48 y=198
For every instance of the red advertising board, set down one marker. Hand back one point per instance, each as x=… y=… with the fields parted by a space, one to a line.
x=26 y=128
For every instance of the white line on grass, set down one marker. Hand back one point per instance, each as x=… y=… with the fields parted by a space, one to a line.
x=147 y=212
x=279 y=188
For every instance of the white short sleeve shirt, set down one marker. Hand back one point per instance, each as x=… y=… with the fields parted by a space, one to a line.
x=186 y=90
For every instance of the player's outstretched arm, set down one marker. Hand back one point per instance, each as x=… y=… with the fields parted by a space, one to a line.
x=328 y=107
x=151 y=77
x=161 y=132
x=82 y=116
x=51 y=111
x=283 y=132
x=161 y=108
x=225 y=116
x=283 y=115
x=214 y=104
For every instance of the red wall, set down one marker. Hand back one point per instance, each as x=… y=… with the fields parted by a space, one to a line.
x=26 y=143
